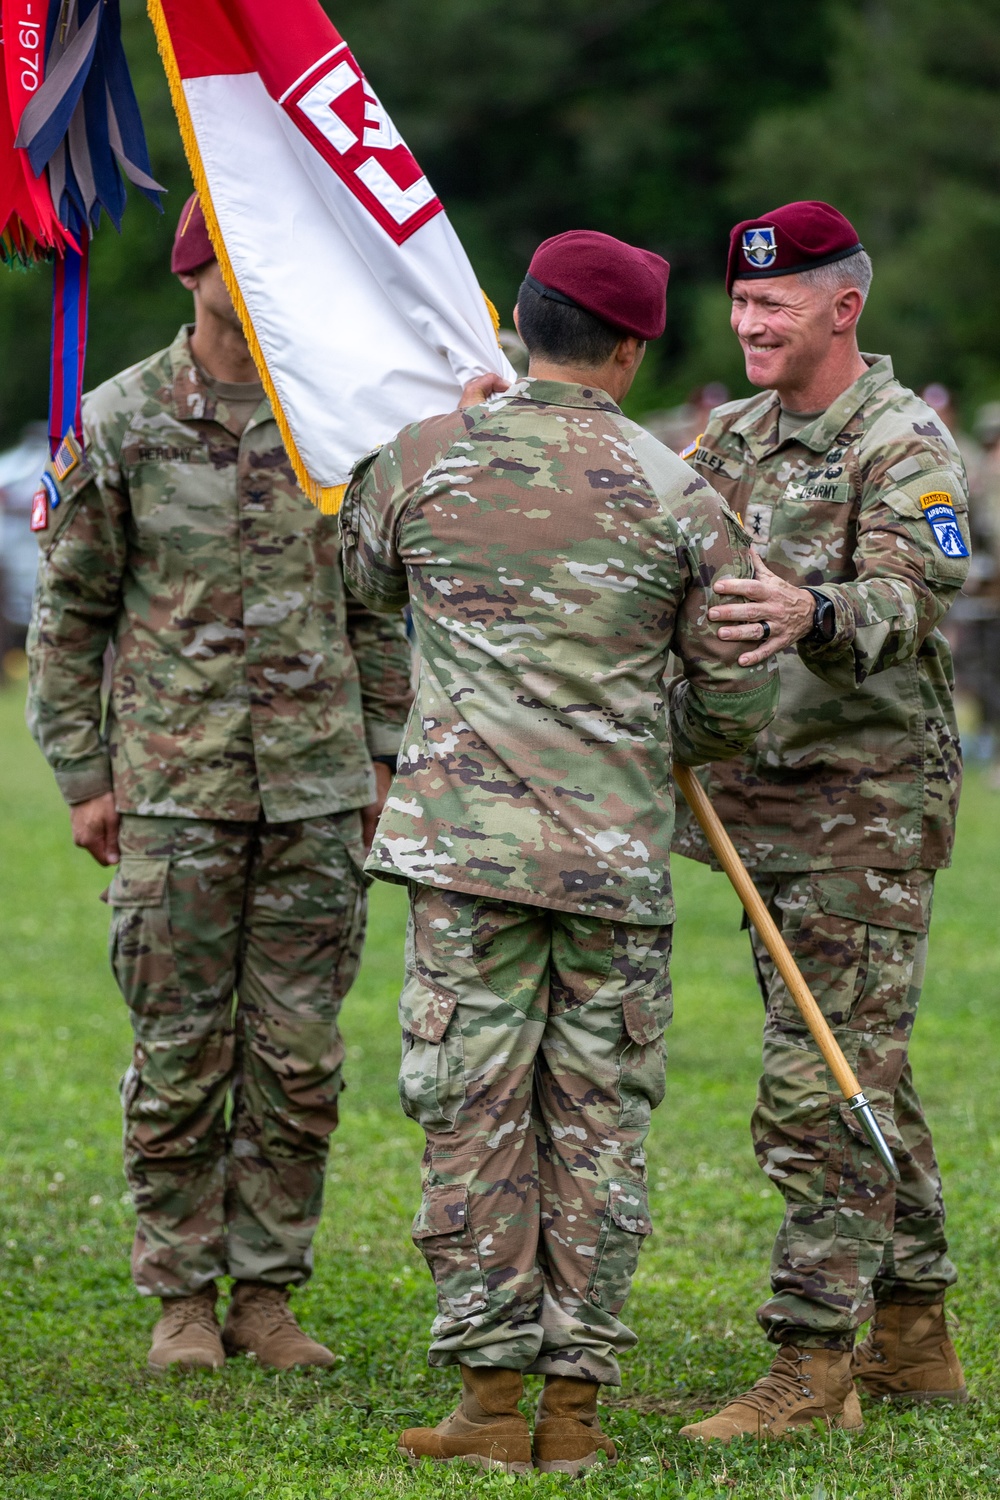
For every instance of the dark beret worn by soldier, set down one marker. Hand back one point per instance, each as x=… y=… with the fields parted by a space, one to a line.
x=843 y=809
x=248 y=696
x=553 y=554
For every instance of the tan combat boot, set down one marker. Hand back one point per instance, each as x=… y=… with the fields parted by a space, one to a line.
x=260 y=1322
x=568 y=1436
x=802 y=1386
x=486 y=1429
x=187 y=1334
x=908 y=1356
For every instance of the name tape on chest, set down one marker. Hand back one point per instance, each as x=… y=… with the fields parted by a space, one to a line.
x=939 y=509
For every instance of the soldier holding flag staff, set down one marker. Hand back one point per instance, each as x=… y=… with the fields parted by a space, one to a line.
x=843 y=809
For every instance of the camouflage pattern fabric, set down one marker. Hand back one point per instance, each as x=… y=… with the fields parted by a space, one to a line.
x=861 y=766
x=273 y=913
x=850 y=1234
x=244 y=677
x=554 y=555
x=533 y=1052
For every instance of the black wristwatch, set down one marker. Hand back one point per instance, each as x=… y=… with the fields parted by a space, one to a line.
x=386 y=760
x=824 y=624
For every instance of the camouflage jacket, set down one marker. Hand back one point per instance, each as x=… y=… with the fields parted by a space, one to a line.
x=867 y=503
x=554 y=553
x=244 y=678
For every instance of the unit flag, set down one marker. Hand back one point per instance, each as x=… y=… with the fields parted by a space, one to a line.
x=358 y=300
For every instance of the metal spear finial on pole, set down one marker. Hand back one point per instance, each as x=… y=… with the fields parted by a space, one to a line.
x=756 y=909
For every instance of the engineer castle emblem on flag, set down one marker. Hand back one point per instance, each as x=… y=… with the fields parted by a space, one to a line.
x=336 y=108
x=760 y=247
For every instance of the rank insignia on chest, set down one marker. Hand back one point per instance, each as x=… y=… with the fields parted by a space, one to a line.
x=757 y=521
x=760 y=248
x=937 y=506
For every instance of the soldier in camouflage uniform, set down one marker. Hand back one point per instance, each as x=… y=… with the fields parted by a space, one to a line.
x=249 y=695
x=843 y=810
x=553 y=554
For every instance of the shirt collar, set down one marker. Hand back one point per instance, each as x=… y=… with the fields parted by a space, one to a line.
x=192 y=398
x=561 y=393
x=758 y=425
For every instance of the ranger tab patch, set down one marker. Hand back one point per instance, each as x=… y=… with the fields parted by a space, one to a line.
x=937 y=506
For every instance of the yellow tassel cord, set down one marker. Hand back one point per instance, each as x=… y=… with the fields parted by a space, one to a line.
x=494 y=317
x=327 y=498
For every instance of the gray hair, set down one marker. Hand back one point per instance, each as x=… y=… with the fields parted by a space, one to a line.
x=854 y=270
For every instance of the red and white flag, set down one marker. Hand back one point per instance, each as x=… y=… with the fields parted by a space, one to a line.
x=360 y=304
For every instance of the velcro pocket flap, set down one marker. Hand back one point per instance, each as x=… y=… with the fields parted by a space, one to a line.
x=629 y=1207
x=425 y=1009
x=444 y=1210
x=647 y=1004
x=883 y=898
x=139 y=881
x=646 y=1016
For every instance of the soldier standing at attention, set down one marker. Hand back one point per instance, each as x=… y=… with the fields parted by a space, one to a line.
x=843 y=809
x=553 y=554
x=249 y=698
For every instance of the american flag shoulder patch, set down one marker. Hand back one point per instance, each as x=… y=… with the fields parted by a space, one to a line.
x=67 y=456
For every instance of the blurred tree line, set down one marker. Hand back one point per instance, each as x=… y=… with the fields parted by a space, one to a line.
x=661 y=121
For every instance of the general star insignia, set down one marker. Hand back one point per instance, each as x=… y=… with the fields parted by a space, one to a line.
x=760 y=248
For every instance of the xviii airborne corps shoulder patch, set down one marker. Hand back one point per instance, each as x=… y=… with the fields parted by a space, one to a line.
x=940 y=512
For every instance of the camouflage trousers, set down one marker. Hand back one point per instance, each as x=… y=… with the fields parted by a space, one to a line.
x=233 y=945
x=850 y=1235
x=533 y=1052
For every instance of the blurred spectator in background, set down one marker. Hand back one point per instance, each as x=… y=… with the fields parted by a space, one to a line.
x=973 y=623
x=20 y=471
x=940 y=400
x=678 y=426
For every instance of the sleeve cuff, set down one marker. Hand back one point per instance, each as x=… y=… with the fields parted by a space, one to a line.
x=91 y=779
x=845 y=629
x=383 y=739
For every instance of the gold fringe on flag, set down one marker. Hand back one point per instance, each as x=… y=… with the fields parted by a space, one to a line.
x=326 y=498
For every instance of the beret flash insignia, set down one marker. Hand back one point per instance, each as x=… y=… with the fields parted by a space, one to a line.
x=760 y=248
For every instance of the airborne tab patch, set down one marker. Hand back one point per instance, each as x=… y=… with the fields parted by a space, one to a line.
x=937 y=506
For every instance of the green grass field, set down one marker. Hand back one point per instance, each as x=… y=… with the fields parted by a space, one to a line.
x=79 y=1415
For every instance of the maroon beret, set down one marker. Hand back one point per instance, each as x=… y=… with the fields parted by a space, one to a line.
x=793 y=238
x=618 y=283
x=192 y=246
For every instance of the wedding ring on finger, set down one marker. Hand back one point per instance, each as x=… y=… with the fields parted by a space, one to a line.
x=765 y=630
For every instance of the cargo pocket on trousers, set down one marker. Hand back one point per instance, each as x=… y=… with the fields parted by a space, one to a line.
x=140 y=946
x=647 y=1010
x=626 y=1224
x=432 y=1070
x=442 y=1231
